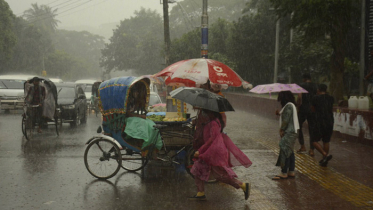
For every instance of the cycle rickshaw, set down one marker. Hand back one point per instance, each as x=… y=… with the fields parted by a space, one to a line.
x=49 y=109
x=129 y=140
x=94 y=97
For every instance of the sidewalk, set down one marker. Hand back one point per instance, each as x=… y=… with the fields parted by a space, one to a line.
x=347 y=182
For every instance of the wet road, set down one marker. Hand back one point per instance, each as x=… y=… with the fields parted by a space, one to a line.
x=48 y=172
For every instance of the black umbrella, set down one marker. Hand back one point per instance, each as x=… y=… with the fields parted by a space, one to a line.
x=202 y=98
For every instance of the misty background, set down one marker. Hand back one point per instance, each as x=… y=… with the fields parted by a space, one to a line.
x=79 y=39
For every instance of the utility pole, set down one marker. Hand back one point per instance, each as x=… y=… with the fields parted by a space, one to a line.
x=166 y=27
x=276 y=49
x=362 y=49
x=291 y=40
x=204 y=30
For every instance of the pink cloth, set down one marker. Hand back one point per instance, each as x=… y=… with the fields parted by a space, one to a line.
x=218 y=150
x=221 y=175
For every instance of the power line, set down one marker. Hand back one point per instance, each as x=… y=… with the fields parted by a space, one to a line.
x=83 y=9
x=185 y=15
x=61 y=12
x=53 y=8
x=51 y=2
x=47 y=5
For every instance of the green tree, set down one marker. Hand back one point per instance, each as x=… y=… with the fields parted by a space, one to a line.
x=83 y=46
x=27 y=56
x=136 y=44
x=317 y=19
x=43 y=17
x=302 y=59
x=186 y=15
x=7 y=36
x=251 y=43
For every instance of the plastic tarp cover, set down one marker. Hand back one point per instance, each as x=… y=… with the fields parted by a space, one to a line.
x=139 y=128
x=49 y=104
x=113 y=94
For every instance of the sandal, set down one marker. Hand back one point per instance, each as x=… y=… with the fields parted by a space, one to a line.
x=301 y=151
x=279 y=177
x=291 y=175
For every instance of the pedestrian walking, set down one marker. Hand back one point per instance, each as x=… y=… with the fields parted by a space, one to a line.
x=322 y=104
x=289 y=126
x=305 y=112
x=216 y=157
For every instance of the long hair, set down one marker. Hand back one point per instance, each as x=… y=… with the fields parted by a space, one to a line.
x=285 y=97
x=212 y=115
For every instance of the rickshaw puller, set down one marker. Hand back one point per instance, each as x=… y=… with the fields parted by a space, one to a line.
x=38 y=95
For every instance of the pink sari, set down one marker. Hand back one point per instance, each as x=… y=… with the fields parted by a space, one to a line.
x=218 y=150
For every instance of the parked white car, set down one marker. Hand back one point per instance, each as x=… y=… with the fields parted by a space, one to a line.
x=12 y=91
x=56 y=80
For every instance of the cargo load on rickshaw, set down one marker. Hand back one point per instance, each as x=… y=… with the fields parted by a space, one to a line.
x=127 y=139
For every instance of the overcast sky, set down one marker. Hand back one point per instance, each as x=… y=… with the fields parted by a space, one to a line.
x=93 y=13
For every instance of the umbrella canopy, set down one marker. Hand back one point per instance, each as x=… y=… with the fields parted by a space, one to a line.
x=193 y=72
x=278 y=87
x=202 y=98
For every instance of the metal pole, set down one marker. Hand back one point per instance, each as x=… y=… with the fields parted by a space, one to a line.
x=291 y=40
x=362 y=49
x=276 y=50
x=166 y=27
x=204 y=30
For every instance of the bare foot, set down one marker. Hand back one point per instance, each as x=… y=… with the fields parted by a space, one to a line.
x=311 y=153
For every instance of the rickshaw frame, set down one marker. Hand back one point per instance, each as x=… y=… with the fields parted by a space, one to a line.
x=28 y=123
x=114 y=151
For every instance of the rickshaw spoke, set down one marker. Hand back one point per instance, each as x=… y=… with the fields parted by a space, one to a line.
x=97 y=158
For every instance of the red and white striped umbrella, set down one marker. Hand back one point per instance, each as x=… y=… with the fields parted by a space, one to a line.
x=194 y=72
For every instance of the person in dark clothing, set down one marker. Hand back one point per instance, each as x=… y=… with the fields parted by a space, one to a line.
x=322 y=104
x=305 y=113
x=37 y=96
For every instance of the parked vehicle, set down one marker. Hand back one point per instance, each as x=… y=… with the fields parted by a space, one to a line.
x=11 y=91
x=72 y=103
x=87 y=88
x=56 y=80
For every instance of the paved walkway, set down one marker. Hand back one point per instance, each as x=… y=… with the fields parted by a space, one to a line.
x=347 y=182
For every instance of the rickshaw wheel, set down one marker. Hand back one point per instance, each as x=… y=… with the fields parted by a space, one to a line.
x=28 y=127
x=102 y=158
x=56 y=125
x=23 y=125
x=133 y=161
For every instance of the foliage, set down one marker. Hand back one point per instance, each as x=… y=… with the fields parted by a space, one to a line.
x=135 y=44
x=251 y=44
x=68 y=67
x=186 y=15
x=302 y=59
x=83 y=46
x=7 y=36
x=43 y=17
x=27 y=56
x=186 y=47
x=317 y=18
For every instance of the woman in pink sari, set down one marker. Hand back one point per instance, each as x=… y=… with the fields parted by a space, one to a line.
x=216 y=157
